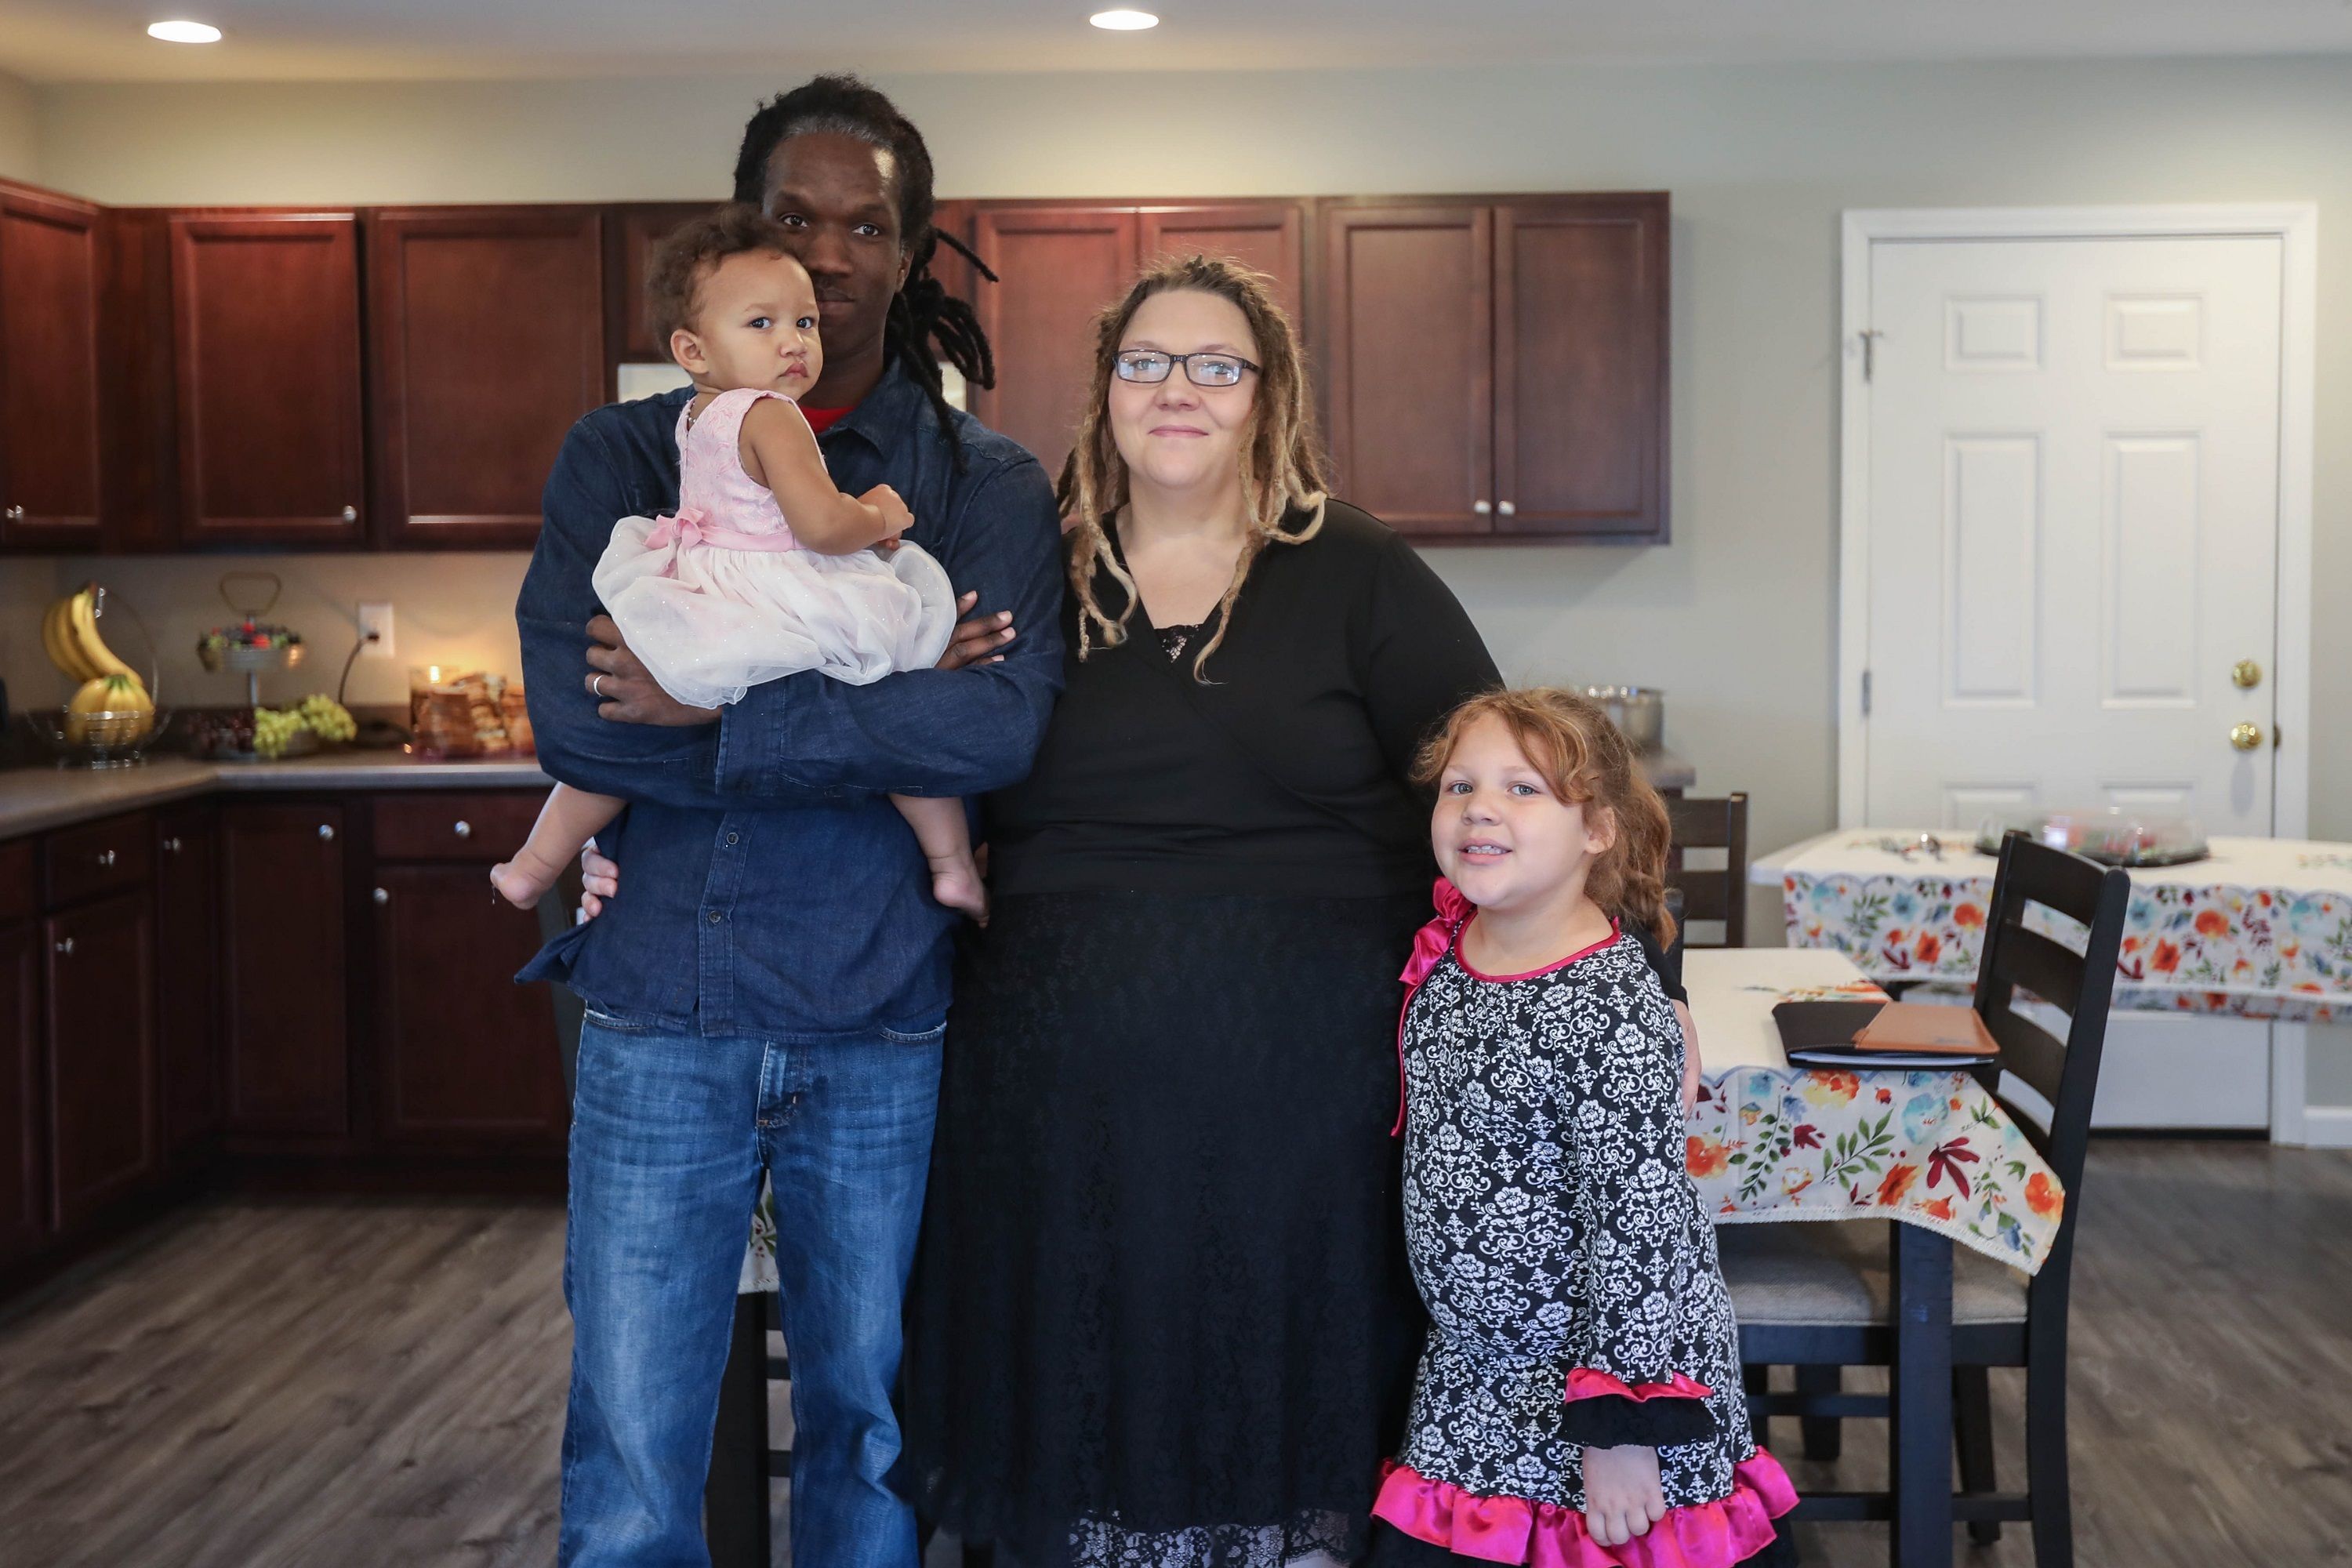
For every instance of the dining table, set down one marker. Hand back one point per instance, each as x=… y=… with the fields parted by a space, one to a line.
x=1930 y=1149
x=2255 y=928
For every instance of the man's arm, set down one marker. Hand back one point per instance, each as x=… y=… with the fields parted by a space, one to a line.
x=925 y=733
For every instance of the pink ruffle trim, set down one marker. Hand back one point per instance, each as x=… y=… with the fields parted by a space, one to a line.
x=1585 y=1383
x=1546 y=1535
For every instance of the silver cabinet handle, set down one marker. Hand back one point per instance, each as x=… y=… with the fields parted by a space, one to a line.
x=464 y=829
x=172 y=846
x=1506 y=509
x=383 y=896
x=350 y=514
x=106 y=856
x=326 y=830
x=1482 y=508
x=65 y=947
x=16 y=514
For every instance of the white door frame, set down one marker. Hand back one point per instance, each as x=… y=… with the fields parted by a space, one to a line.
x=2296 y=225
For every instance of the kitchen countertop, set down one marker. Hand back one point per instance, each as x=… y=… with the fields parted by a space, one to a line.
x=38 y=797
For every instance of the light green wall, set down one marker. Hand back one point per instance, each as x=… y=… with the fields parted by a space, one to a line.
x=18 y=136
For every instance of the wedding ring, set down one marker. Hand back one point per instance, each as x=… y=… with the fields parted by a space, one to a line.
x=596 y=687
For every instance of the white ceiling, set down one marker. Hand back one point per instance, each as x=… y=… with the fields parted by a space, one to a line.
x=105 y=40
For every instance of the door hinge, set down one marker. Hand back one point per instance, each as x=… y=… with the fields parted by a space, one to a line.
x=1870 y=336
x=1865 y=694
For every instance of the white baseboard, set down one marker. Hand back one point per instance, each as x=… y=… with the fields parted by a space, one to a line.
x=2327 y=1126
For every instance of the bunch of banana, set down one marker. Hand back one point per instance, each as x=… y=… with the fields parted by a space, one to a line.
x=69 y=636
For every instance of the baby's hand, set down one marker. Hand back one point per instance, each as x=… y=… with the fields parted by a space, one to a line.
x=896 y=518
x=1622 y=1495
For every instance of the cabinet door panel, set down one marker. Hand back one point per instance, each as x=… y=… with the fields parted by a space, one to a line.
x=1580 y=366
x=24 y=1186
x=103 y=1136
x=1269 y=236
x=1056 y=268
x=1409 y=362
x=187 y=1023
x=468 y=1056
x=267 y=311
x=471 y=397
x=282 y=961
x=49 y=413
x=632 y=231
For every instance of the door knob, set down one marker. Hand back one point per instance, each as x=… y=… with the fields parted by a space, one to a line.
x=350 y=514
x=2246 y=675
x=1507 y=509
x=383 y=896
x=16 y=514
x=464 y=830
x=326 y=830
x=2245 y=737
x=65 y=947
x=171 y=846
x=1481 y=507
x=106 y=858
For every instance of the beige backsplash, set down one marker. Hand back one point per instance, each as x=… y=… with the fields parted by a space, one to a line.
x=454 y=610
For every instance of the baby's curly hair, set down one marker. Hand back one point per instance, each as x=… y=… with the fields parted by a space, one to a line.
x=684 y=257
x=1587 y=761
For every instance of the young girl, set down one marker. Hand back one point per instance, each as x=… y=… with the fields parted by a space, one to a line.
x=766 y=568
x=1579 y=1400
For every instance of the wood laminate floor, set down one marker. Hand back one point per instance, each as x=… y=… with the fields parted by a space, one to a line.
x=250 y=1384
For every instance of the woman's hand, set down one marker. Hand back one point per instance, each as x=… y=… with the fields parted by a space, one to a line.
x=600 y=878
x=976 y=641
x=629 y=695
x=1622 y=1495
x=1691 y=1066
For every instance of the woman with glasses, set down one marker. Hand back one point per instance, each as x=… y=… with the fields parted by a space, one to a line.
x=1161 y=1314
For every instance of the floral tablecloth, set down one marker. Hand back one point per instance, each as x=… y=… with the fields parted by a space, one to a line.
x=1772 y=1142
x=2260 y=929
x=1769 y=1143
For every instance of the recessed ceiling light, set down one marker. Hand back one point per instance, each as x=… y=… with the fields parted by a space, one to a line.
x=1124 y=21
x=184 y=32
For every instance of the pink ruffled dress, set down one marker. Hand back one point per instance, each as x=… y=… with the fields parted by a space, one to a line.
x=1568 y=1268
x=719 y=596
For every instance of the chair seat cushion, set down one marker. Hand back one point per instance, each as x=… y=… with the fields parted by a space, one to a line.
x=1793 y=1274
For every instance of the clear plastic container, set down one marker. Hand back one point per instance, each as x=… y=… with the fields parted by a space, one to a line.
x=2112 y=836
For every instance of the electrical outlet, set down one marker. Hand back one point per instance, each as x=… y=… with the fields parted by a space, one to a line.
x=376 y=618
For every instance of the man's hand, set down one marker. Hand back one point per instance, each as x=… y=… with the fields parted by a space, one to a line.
x=977 y=641
x=1622 y=1497
x=629 y=695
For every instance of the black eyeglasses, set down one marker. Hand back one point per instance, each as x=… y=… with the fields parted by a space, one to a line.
x=1152 y=367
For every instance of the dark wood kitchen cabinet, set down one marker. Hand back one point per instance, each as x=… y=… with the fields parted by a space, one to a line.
x=265 y=310
x=286 y=1032
x=1059 y=263
x=50 y=417
x=631 y=232
x=24 y=1168
x=104 y=1136
x=1537 y=331
x=187 y=964
x=469 y=395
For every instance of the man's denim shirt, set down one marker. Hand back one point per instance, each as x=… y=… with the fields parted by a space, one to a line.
x=768 y=886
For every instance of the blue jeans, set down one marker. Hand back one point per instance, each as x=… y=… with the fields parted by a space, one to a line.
x=669 y=1135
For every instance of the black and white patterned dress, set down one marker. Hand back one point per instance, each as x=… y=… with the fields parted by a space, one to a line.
x=1568 y=1268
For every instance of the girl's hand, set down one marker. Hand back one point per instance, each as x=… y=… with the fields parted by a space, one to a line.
x=600 y=878
x=896 y=519
x=1622 y=1495
x=977 y=641
x=1691 y=1065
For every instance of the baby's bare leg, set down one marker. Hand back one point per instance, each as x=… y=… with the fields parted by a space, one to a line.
x=946 y=837
x=570 y=818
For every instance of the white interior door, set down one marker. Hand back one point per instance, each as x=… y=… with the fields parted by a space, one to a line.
x=2073 y=537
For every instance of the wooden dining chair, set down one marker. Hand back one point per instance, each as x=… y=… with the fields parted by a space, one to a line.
x=1711 y=893
x=1818 y=1297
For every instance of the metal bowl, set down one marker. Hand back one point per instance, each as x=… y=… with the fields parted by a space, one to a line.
x=249 y=660
x=1638 y=711
x=103 y=739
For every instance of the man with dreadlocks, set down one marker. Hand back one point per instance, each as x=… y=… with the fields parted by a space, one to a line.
x=771 y=994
